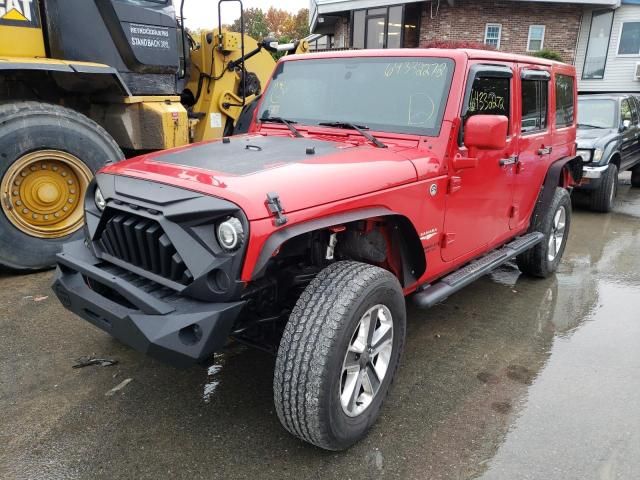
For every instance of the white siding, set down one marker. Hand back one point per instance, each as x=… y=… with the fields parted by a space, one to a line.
x=618 y=73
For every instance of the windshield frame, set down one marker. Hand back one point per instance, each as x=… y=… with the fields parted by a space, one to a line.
x=379 y=129
x=616 y=112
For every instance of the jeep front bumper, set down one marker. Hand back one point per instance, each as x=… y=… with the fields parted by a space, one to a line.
x=142 y=314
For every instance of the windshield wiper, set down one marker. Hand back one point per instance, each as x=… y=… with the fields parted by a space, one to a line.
x=588 y=125
x=361 y=129
x=285 y=122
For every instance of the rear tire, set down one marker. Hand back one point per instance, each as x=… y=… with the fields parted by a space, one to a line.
x=329 y=385
x=603 y=199
x=635 y=176
x=543 y=259
x=27 y=128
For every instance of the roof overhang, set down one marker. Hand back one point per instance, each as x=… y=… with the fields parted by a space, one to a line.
x=328 y=7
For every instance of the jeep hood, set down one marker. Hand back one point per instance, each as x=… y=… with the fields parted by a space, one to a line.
x=304 y=172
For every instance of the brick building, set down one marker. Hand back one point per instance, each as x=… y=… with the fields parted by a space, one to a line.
x=514 y=26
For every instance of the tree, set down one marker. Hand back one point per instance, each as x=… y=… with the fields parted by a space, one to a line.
x=298 y=24
x=276 y=20
x=255 y=24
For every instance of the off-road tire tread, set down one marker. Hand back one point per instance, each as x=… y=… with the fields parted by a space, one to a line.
x=10 y=109
x=600 y=197
x=534 y=261
x=306 y=344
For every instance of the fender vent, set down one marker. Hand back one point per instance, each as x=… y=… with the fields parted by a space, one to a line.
x=142 y=242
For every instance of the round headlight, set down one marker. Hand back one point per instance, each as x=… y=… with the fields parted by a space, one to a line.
x=230 y=234
x=101 y=203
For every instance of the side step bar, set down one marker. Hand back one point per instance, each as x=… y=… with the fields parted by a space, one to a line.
x=428 y=296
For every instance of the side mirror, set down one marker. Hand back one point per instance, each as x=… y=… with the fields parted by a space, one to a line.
x=626 y=125
x=486 y=132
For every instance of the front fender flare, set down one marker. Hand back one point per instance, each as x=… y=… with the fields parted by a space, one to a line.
x=280 y=236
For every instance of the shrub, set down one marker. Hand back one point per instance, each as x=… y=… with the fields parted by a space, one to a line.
x=549 y=55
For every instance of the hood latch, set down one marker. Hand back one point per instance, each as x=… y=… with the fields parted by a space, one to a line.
x=275 y=208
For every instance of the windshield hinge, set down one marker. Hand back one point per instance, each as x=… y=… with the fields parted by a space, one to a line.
x=275 y=208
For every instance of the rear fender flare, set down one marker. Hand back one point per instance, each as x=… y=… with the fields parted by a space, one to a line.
x=573 y=167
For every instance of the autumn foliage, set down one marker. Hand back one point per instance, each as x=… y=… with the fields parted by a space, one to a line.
x=275 y=22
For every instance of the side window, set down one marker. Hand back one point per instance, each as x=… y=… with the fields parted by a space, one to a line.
x=535 y=95
x=625 y=110
x=490 y=96
x=565 y=109
x=634 y=111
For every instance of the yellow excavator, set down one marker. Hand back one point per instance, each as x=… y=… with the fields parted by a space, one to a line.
x=86 y=82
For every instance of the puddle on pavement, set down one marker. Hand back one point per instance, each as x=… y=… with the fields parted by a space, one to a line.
x=511 y=377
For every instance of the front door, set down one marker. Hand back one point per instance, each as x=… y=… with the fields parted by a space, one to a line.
x=479 y=199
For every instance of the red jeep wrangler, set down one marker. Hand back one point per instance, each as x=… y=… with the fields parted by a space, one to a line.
x=365 y=177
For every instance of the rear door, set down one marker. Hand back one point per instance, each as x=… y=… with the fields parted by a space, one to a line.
x=479 y=199
x=535 y=144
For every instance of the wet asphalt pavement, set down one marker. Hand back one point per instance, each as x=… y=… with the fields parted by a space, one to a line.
x=512 y=378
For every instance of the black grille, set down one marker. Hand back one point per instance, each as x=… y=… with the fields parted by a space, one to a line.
x=142 y=242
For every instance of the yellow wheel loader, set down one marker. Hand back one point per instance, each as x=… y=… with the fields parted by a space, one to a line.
x=82 y=81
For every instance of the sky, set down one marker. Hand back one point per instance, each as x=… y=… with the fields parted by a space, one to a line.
x=204 y=13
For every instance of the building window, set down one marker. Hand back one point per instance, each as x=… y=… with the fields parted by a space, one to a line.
x=535 y=94
x=630 y=39
x=386 y=27
x=326 y=42
x=595 y=59
x=492 y=34
x=565 y=111
x=535 y=41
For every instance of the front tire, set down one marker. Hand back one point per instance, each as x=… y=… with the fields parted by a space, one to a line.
x=603 y=199
x=543 y=259
x=330 y=378
x=635 y=176
x=49 y=156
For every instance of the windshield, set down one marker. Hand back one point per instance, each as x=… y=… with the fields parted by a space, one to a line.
x=389 y=94
x=597 y=113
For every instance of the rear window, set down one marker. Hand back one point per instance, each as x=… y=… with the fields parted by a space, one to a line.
x=390 y=94
x=565 y=109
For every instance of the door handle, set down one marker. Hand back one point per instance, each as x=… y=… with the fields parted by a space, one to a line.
x=545 y=150
x=513 y=159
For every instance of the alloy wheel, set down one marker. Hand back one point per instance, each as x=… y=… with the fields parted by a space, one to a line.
x=366 y=362
x=557 y=233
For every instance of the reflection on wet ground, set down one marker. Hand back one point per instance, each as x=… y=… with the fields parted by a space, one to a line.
x=511 y=378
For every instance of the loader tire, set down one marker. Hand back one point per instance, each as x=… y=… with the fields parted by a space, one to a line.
x=48 y=156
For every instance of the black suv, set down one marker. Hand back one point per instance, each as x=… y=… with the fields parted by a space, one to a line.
x=609 y=143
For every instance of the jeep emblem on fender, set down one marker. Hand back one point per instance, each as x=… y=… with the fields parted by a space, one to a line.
x=433 y=189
